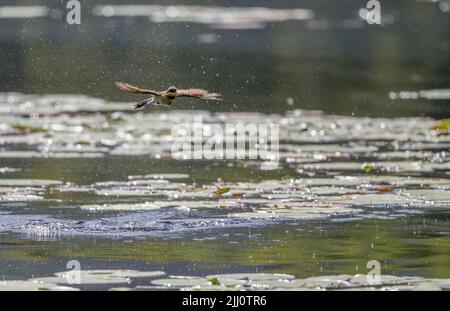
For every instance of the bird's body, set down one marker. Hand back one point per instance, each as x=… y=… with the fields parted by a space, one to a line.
x=167 y=97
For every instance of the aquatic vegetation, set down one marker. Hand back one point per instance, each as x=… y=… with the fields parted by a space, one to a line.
x=303 y=213
x=216 y=16
x=24 y=189
x=99 y=276
x=92 y=180
x=221 y=191
x=121 y=207
x=4 y=170
x=434 y=94
x=318 y=138
x=335 y=167
x=64 y=281
x=265 y=281
x=30 y=285
x=29 y=182
x=442 y=126
x=169 y=176
x=332 y=169
x=224 y=282
x=21 y=194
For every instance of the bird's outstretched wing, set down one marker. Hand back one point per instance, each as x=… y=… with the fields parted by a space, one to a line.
x=134 y=89
x=199 y=93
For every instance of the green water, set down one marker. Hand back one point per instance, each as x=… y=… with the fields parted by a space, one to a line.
x=404 y=247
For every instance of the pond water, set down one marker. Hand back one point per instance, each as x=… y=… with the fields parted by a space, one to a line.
x=363 y=167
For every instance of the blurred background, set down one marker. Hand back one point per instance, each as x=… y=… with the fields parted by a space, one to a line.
x=311 y=54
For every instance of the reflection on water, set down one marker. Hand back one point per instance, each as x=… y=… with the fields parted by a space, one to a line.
x=311 y=55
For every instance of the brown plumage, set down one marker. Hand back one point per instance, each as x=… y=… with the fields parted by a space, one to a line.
x=166 y=97
x=199 y=93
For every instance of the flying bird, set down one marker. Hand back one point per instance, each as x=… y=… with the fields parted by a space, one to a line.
x=168 y=96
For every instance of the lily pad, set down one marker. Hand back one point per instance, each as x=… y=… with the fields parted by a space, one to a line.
x=99 y=276
x=267 y=281
x=121 y=207
x=429 y=195
x=29 y=182
x=169 y=176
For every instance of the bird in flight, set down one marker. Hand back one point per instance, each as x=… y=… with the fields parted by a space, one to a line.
x=166 y=97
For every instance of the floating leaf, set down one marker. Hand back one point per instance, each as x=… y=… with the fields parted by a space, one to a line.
x=367 y=167
x=121 y=207
x=33 y=285
x=221 y=191
x=169 y=176
x=384 y=189
x=267 y=281
x=99 y=276
x=214 y=281
x=28 y=128
x=28 y=182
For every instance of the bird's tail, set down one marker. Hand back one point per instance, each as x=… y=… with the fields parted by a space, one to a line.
x=146 y=101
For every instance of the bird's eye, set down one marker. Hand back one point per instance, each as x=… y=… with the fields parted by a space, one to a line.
x=172 y=89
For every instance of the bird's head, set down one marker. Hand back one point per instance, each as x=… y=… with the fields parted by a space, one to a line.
x=172 y=89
